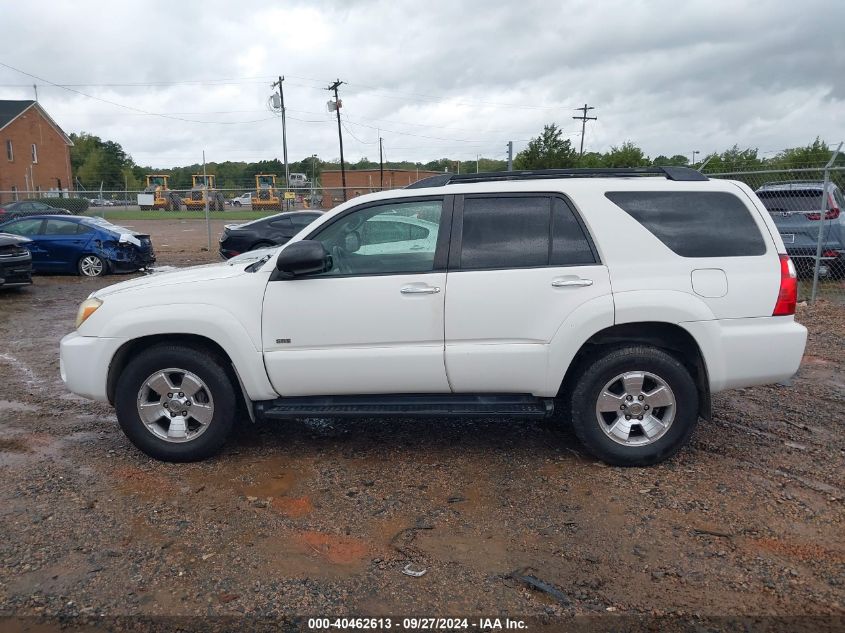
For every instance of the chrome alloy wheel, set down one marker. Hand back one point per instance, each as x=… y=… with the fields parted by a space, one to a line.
x=635 y=408
x=175 y=405
x=91 y=266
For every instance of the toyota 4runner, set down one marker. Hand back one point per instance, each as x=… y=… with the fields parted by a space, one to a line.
x=617 y=300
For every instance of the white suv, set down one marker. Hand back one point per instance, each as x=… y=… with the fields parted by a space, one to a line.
x=619 y=300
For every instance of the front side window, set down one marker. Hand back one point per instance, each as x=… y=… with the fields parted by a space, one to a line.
x=398 y=237
x=23 y=227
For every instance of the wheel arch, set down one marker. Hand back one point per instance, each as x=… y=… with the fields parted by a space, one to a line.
x=125 y=352
x=670 y=337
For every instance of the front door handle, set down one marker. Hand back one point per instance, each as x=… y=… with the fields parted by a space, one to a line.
x=420 y=290
x=571 y=283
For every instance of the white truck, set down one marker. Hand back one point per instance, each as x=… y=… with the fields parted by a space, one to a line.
x=617 y=301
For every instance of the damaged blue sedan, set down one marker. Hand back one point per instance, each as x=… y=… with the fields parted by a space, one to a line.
x=88 y=246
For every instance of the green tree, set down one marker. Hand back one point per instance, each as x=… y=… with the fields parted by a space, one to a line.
x=548 y=151
x=628 y=155
x=676 y=160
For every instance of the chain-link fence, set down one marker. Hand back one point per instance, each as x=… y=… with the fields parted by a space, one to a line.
x=807 y=207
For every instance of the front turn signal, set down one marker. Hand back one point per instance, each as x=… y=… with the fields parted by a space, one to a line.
x=86 y=309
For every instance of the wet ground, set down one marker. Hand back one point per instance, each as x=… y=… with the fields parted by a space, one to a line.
x=320 y=516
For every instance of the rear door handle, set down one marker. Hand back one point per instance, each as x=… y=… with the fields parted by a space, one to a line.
x=571 y=283
x=420 y=290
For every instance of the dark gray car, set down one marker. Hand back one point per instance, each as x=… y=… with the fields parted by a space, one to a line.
x=796 y=208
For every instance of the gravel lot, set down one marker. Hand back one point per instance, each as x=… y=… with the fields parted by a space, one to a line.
x=319 y=517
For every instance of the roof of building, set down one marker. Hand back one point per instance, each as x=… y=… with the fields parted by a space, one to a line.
x=11 y=110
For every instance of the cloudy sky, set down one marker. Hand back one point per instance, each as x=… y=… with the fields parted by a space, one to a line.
x=438 y=78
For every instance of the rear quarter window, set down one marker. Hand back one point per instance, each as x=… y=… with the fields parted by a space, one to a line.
x=694 y=223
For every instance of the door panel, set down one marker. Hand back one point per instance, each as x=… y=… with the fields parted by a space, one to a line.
x=499 y=323
x=374 y=322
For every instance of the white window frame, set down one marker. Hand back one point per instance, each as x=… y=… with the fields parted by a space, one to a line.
x=34 y=154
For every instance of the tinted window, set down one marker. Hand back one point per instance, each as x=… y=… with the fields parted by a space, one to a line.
x=694 y=223
x=505 y=232
x=569 y=244
x=23 y=227
x=389 y=238
x=59 y=227
x=792 y=200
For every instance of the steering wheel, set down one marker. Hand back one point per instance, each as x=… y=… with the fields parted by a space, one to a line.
x=339 y=259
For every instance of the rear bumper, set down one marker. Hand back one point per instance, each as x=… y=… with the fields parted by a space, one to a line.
x=84 y=364
x=747 y=352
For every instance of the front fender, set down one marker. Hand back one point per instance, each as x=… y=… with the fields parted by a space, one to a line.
x=209 y=321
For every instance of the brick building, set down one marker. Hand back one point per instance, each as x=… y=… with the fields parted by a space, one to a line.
x=34 y=152
x=361 y=181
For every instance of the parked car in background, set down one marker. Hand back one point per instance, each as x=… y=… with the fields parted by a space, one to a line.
x=265 y=232
x=796 y=208
x=242 y=200
x=89 y=246
x=24 y=208
x=15 y=261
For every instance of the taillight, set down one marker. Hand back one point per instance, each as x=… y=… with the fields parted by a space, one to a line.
x=788 y=293
x=831 y=214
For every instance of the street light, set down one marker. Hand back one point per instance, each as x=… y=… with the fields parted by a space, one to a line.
x=694 y=152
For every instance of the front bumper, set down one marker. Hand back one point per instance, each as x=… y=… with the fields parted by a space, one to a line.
x=84 y=363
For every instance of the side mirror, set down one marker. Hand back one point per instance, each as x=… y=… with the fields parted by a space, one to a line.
x=307 y=257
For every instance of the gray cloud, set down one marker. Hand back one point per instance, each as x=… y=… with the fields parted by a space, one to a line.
x=440 y=79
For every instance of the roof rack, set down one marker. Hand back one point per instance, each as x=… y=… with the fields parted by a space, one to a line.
x=670 y=173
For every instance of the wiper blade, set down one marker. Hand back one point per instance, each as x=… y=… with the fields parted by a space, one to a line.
x=256 y=265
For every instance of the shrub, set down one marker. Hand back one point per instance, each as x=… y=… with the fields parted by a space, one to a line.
x=74 y=205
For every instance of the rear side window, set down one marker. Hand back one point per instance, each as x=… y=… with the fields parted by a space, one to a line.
x=522 y=232
x=694 y=223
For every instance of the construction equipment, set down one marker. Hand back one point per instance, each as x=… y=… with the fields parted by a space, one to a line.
x=204 y=188
x=266 y=195
x=157 y=194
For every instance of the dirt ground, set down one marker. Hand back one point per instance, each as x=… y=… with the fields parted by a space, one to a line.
x=319 y=517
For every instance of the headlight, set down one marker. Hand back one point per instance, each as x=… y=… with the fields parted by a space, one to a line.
x=86 y=309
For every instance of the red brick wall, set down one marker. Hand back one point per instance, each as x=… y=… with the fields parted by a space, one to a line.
x=361 y=181
x=53 y=156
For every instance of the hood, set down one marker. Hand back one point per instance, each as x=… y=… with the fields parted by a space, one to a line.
x=7 y=239
x=192 y=275
x=251 y=256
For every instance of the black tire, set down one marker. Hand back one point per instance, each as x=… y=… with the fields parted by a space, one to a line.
x=210 y=368
x=91 y=265
x=599 y=370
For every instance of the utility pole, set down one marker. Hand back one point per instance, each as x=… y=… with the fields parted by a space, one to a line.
x=584 y=118
x=476 y=163
x=380 y=161
x=205 y=195
x=35 y=87
x=284 y=132
x=510 y=155
x=337 y=105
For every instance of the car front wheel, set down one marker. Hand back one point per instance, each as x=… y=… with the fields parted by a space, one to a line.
x=92 y=266
x=634 y=406
x=176 y=403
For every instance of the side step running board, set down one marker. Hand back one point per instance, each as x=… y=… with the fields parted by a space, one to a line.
x=411 y=405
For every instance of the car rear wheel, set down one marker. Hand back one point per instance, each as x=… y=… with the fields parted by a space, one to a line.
x=176 y=403
x=634 y=406
x=92 y=266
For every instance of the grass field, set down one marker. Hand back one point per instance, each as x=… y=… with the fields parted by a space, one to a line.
x=120 y=215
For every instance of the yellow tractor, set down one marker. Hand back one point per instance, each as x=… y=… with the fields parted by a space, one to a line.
x=204 y=187
x=266 y=195
x=157 y=194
